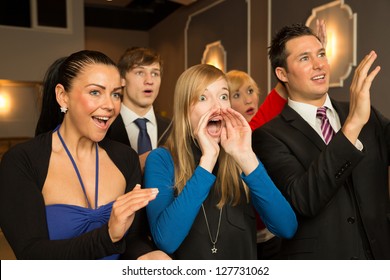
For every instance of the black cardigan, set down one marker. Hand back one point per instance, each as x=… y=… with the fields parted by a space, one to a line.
x=23 y=171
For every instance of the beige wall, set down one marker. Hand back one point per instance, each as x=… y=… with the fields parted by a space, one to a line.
x=113 y=42
x=28 y=53
x=25 y=53
x=23 y=113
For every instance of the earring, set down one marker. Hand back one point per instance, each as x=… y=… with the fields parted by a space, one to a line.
x=64 y=110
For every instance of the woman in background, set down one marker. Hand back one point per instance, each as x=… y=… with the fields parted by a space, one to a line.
x=244 y=93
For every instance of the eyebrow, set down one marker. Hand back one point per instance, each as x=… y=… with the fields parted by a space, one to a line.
x=318 y=51
x=103 y=87
x=322 y=49
x=143 y=67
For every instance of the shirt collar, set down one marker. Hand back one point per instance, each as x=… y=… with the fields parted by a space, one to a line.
x=309 y=112
x=130 y=116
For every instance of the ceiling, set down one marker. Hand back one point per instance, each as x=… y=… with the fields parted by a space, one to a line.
x=129 y=14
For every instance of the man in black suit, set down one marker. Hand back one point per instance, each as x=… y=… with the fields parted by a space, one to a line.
x=339 y=189
x=141 y=70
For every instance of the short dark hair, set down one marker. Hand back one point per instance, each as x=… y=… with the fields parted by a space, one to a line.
x=138 y=56
x=277 y=51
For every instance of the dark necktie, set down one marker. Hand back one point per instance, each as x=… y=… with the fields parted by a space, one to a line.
x=326 y=128
x=144 y=143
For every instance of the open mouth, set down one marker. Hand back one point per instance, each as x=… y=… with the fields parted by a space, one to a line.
x=148 y=92
x=214 y=126
x=250 y=111
x=101 y=121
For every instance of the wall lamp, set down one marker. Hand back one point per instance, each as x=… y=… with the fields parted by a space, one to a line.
x=5 y=102
x=215 y=55
x=341 y=38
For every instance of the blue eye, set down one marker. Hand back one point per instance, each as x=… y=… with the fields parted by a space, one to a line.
x=94 y=92
x=202 y=98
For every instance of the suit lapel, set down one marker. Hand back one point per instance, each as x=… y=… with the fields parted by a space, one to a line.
x=160 y=126
x=162 y=129
x=118 y=131
x=295 y=120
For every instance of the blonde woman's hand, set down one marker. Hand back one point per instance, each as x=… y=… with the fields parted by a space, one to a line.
x=236 y=139
x=208 y=145
x=124 y=209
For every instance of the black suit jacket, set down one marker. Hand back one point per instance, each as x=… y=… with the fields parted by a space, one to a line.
x=340 y=194
x=117 y=130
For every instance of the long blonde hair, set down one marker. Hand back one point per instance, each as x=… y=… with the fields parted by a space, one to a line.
x=189 y=86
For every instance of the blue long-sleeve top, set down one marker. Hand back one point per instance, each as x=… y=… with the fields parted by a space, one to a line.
x=172 y=216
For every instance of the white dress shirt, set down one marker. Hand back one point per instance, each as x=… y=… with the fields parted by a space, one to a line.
x=309 y=113
x=132 y=129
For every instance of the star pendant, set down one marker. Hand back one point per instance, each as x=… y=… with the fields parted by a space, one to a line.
x=214 y=250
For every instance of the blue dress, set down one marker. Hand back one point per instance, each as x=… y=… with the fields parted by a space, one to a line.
x=68 y=221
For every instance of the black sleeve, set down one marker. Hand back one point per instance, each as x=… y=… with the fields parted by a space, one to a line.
x=307 y=177
x=23 y=216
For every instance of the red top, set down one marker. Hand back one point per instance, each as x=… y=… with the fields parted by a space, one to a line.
x=270 y=108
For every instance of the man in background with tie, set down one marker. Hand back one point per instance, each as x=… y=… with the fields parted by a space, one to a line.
x=330 y=159
x=138 y=125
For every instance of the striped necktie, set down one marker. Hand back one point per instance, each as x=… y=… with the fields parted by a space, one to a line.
x=326 y=128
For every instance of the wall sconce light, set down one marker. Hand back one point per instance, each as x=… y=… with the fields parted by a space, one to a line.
x=5 y=103
x=214 y=54
x=341 y=38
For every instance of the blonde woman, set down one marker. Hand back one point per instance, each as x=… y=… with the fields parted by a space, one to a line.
x=244 y=93
x=209 y=178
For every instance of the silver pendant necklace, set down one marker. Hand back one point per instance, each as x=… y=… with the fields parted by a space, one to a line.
x=213 y=249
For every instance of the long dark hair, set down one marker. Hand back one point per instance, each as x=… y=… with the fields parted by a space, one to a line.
x=63 y=71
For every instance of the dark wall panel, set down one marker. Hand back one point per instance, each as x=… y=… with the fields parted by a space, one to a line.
x=225 y=22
